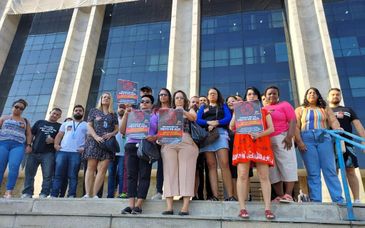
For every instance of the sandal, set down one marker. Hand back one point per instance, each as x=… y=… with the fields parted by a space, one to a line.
x=244 y=214
x=269 y=214
x=286 y=199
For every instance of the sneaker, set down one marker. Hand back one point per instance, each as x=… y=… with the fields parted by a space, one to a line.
x=123 y=196
x=232 y=198
x=357 y=201
x=213 y=198
x=95 y=197
x=158 y=196
x=126 y=210
x=136 y=211
x=26 y=196
x=7 y=196
x=86 y=196
x=71 y=197
x=42 y=196
x=286 y=199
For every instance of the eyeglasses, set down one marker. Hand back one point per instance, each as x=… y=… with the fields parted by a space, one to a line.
x=19 y=107
x=179 y=98
x=163 y=95
x=145 y=102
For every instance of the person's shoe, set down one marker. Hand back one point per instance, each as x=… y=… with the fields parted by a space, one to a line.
x=126 y=210
x=276 y=200
x=123 y=196
x=286 y=199
x=357 y=201
x=195 y=198
x=269 y=215
x=244 y=214
x=136 y=211
x=158 y=196
x=42 y=196
x=213 y=198
x=231 y=199
x=70 y=197
x=7 y=195
x=95 y=197
x=183 y=213
x=26 y=196
x=168 y=212
x=86 y=196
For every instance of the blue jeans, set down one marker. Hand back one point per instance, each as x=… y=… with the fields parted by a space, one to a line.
x=46 y=160
x=11 y=152
x=115 y=176
x=319 y=156
x=67 y=166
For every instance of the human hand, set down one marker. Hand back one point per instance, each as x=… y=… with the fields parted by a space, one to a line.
x=81 y=150
x=288 y=143
x=107 y=136
x=302 y=147
x=151 y=138
x=99 y=139
x=28 y=149
x=57 y=147
x=49 y=139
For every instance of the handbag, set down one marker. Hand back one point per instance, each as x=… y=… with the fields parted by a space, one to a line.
x=197 y=133
x=148 y=151
x=213 y=135
x=110 y=145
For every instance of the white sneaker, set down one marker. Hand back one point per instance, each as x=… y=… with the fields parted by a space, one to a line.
x=357 y=201
x=96 y=197
x=42 y=196
x=158 y=196
x=26 y=196
x=86 y=196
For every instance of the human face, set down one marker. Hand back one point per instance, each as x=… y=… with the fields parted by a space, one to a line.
x=146 y=103
x=163 y=96
x=179 y=100
x=194 y=102
x=272 y=96
x=334 y=97
x=18 y=108
x=312 y=97
x=105 y=99
x=203 y=101
x=239 y=98
x=230 y=102
x=145 y=92
x=212 y=96
x=121 y=109
x=54 y=116
x=251 y=96
x=78 y=111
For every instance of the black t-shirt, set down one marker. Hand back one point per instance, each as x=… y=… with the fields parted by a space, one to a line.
x=40 y=130
x=345 y=116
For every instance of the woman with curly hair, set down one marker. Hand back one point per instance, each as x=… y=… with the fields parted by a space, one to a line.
x=315 y=145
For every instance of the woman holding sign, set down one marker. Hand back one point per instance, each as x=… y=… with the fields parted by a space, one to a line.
x=217 y=115
x=138 y=170
x=252 y=147
x=179 y=160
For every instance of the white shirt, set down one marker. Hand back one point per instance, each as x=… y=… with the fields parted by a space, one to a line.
x=74 y=137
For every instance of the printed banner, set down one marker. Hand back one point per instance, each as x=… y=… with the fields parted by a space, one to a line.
x=138 y=124
x=127 y=92
x=248 y=117
x=170 y=125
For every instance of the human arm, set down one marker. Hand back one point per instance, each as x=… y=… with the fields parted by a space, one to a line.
x=297 y=137
x=290 y=116
x=270 y=128
x=29 y=138
x=232 y=123
x=107 y=136
x=123 y=124
x=332 y=120
x=360 y=130
x=200 y=119
x=57 y=140
x=190 y=115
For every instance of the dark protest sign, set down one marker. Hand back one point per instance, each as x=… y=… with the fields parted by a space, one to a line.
x=248 y=117
x=138 y=124
x=170 y=125
x=127 y=92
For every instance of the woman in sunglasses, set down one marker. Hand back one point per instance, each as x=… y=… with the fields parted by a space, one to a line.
x=15 y=136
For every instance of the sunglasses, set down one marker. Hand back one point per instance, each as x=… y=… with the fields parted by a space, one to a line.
x=163 y=95
x=145 y=102
x=19 y=107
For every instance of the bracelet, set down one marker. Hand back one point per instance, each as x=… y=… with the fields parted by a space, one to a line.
x=29 y=144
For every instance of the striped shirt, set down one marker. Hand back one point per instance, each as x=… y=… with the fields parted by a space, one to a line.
x=313 y=119
x=13 y=130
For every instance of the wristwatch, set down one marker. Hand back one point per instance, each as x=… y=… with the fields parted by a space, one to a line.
x=29 y=144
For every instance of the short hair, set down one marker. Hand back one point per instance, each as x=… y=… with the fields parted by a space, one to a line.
x=150 y=97
x=78 y=106
x=336 y=89
x=272 y=87
x=195 y=96
x=21 y=101
x=56 y=109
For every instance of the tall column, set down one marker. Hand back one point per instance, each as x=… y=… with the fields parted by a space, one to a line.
x=312 y=51
x=77 y=62
x=180 y=54
x=8 y=27
x=195 y=50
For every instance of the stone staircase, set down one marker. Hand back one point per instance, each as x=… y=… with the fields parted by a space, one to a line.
x=102 y=213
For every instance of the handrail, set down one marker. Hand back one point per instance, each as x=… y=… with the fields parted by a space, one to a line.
x=341 y=162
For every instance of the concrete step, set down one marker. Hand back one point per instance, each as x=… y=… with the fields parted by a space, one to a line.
x=106 y=213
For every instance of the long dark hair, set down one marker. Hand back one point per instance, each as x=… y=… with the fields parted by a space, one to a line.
x=186 y=101
x=168 y=94
x=220 y=99
x=255 y=90
x=320 y=102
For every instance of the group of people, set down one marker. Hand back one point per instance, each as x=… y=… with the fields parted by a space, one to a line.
x=61 y=148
